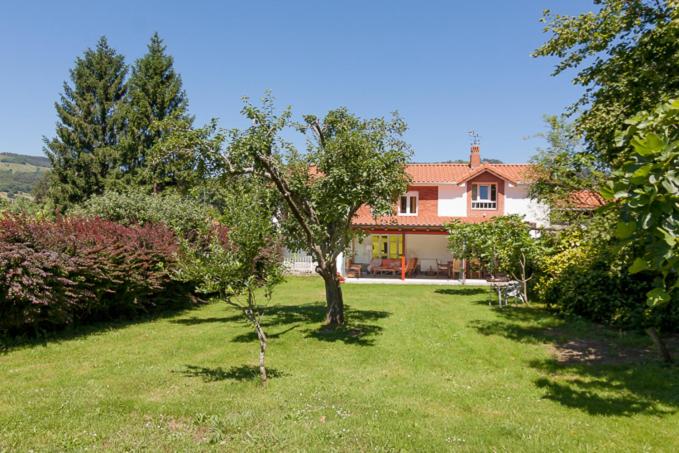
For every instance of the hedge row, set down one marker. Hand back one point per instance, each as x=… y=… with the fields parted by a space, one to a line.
x=76 y=270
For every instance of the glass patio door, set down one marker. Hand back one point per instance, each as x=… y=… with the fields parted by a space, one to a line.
x=387 y=246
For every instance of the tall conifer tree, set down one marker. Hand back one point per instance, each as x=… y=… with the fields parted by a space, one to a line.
x=155 y=98
x=84 y=151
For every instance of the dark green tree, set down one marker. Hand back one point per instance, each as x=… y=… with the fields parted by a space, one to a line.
x=154 y=95
x=84 y=152
x=626 y=54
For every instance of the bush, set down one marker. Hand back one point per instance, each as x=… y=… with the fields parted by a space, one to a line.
x=202 y=239
x=68 y=271
x=586 y=275
x=186 y=217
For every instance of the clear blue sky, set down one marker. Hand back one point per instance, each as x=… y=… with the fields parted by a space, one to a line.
x=446 y=66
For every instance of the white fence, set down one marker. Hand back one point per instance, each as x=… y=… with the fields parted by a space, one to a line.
x=298 y=263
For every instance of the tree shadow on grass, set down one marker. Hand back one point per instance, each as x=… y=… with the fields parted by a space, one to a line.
x=10 y=343
x=591 y=368
x=355 y=334
x=462 y=291
x=235 y=373
x=360 y=329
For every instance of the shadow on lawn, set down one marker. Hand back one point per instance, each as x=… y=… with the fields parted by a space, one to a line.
x=592 y=368
x=359 y=331
x=8 y=343
x=235 y=373
x=462 y=291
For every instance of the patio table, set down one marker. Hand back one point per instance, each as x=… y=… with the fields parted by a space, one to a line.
x=502 y=286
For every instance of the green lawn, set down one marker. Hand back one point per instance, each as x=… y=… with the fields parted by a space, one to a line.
x=421 y=368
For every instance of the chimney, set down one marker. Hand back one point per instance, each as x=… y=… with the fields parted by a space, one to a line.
x=475 y=156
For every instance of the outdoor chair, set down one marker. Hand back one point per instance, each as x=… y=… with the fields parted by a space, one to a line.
x=457 y=268
x=443 y=268
x=475 y=270
x=353 y=269
x=411 y=266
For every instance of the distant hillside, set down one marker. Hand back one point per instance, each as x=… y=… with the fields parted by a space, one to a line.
x=19 y=173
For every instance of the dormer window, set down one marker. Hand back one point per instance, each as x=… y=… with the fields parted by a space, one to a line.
x=484 y=196
x=408 y=204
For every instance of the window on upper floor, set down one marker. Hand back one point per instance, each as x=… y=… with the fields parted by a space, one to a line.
x=484 y=196
x=407 y=204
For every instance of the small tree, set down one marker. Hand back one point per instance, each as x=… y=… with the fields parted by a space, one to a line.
x=248 y=261
x=349 y=162
x=503 y=243
x=646 y=187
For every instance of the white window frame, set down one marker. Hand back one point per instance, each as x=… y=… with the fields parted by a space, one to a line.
x=483 y=204
x=409 y=195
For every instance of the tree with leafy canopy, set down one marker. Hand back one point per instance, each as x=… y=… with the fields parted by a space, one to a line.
x=646 y=190
x=185 y=159
x=249 y=263
x=349 y=162
x=626 y=54
x=154 y=94
x=502 y=243
x=563 y=169
x=84 y=152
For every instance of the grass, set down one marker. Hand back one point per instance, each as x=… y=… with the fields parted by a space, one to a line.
x=419 y=368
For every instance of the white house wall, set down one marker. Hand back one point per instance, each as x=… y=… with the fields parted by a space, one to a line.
x=452 y=201
x=428 y=248
x=517 y=202
x=363 y=251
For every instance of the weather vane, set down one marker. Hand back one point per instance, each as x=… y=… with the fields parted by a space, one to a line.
x=476 y=139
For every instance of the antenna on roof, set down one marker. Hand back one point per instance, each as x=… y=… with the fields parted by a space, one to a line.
x=476 y=139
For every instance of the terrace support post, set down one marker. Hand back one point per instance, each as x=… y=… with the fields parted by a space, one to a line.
x=403 y=256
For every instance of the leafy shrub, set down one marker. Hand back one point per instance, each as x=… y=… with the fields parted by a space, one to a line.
x=586 y=275
x=56 y=273
x=201 y=237
x=186 y=217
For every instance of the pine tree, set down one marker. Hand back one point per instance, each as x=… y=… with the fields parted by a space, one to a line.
x=84 y=151
x=155 y=98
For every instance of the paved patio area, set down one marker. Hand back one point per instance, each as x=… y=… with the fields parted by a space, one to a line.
x=416 y=281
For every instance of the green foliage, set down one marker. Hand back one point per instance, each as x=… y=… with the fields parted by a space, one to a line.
x=184 y=159
x=562 y=169
x=646 y=188
x=349 y=162
x=249 y=258
x=586 y=274
x=154 y=94
x=84 y=152
x=185 y=216
x=504 y=244
x=626 y=53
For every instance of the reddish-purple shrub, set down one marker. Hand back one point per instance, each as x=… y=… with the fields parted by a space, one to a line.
x=54 y=273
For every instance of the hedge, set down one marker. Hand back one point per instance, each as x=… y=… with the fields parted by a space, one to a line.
x=69 y=271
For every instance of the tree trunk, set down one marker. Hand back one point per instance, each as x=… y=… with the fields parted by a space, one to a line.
x=333 y=298
x=254 y=319
x=262 y=350
x=659 y=345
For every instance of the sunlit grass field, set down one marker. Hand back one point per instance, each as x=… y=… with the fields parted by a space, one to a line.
x=419 y=368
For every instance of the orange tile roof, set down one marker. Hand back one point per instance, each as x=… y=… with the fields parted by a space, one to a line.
x=585 y=199
x=457 y=173
x=364 y=218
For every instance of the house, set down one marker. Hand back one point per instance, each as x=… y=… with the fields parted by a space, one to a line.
x=437 y=194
